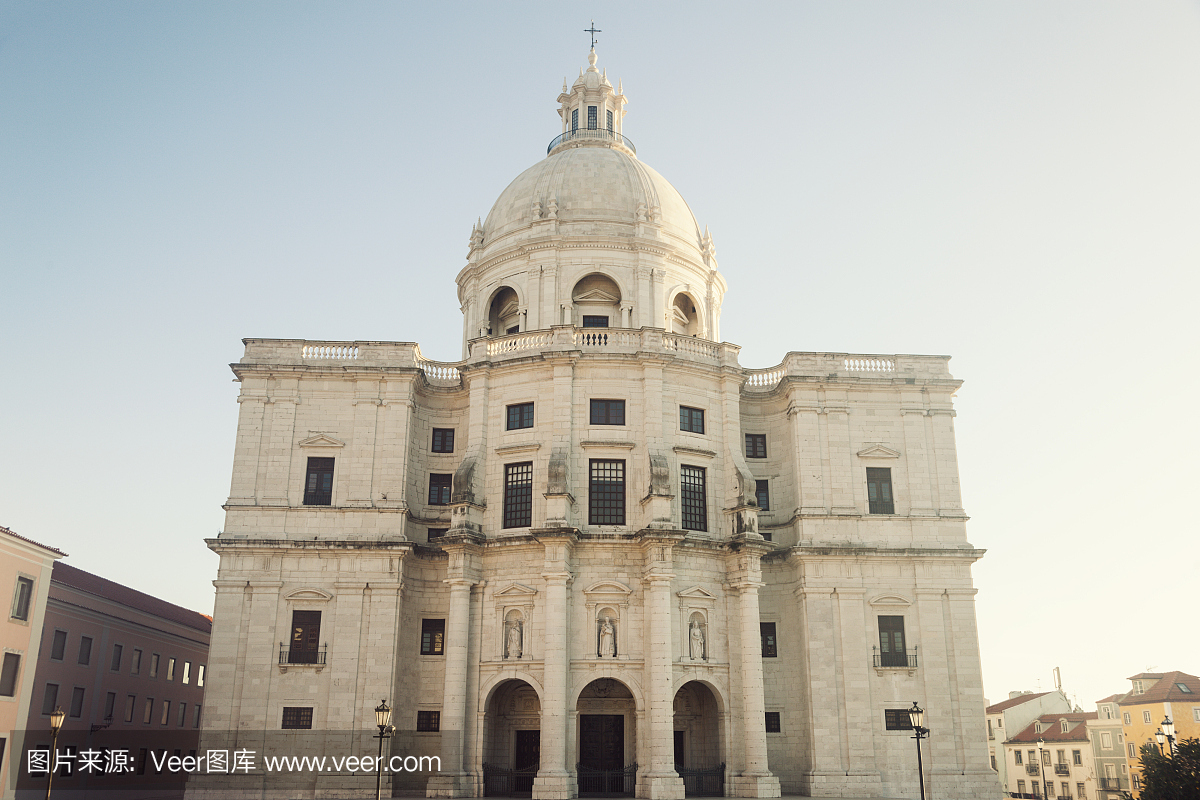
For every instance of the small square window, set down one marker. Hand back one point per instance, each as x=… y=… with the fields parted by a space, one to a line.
x=897 y=719
x=318 y=482
x=433 y=637
x=520 y=416
x=594 y=321
x=762 y=494
x=691 y=419
x=433 y=534
x=879 y=490
x=607 y=412
x=22 y=599
x=429 y=721
x=85 y=650
x=297 y=718
x=443 y=440
x=439 y=488
x=59 y=646
x=770 y=647
x=773 y=725
x=756 y=445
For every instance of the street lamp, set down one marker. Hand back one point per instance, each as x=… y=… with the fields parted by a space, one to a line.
x=56 y=723
x=383 y=718
x=916 y=715
x=1168 y=729
x=1042 y=766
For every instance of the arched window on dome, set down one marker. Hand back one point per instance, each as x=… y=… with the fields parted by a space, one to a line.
x=684 y=318
x=504 y=316
x=597 y=302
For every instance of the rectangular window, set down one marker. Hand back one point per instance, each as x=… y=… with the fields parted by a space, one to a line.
x=1132 y=751
x=85 y=650
x=429 y=721
x=693 y=498
x=1076 y=758
x=770 y=649
x=1146 y=717
x=756 y=445
x=879 y=490
x=1046 y=758
x=187 y=672
x=1106 y=740
x=117 y=652
x=592 y=118
x=513 y=329
x=166 y=712
x=574 y=119
x=143 y=754
x=1017 y=758
x=110 y=705
x=691 y=419
x=520 y=416
x=306 y=637
x=135 y=663
x=200 y=675
x=594 y=321
x=433 y=534
x=773 y=725
x=59 y=646
x=1196 y=714
x=439 y=488
x=171 y=668
x=762 y=495
x=897 y=719
x=130 y=704
x=196 y=716
x=182 y=714
x=607 y=412
x=22 y=599
x=297 y=718
x=148 y=711
x=606 y=491
x=1062 y=755
x=433 y=637
x=994 y=763
x=1037 y=789
x=1021 y=788
x=518 y=495
x=1126 y=715
x=8 y=674
x=609 y=119
x=443 y=440
x=891 y=642
x=1080 y=791
x=318 y=482
x=1137 y=782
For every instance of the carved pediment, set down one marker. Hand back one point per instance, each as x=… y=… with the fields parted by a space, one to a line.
x=322 y=440
x=509 y=310
x=516 y=590
x=595 y=296
x=890 y=600
x=878 y=451
x=608 y=588
x=309 y=593
x=697 y=593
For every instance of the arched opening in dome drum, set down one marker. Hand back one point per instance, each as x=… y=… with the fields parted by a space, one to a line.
x=597 y=302
x=504 y=315
x=684 y=318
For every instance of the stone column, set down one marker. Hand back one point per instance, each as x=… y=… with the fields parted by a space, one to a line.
x=556 y=779
x=659 y=780
x=752 y=777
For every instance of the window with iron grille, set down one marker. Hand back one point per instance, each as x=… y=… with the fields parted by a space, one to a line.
x=762 y=494
x=318 y=482
x=691 y=419
x=9 y=673
x=770 y=648
x=439 y=488
x=897 y=719
x=591 y=118
x=693 y=498
x=443 y=440
x=773 y=725
x=22 y=596
x=429 y=721
x=433 y=637
x=608 y=115
x=756 y=445
x=574 y=119
x=520 y=416
x=891 y=642
x=306 y=637
x=518 y=494
x=606 y=492
x=436 y=533
x=879 y=490
x=607 y=412
x=595 y=321
x=297 y=718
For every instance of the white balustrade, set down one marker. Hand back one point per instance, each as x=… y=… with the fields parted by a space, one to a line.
x=868 y=364
x=439 y=374
x=690 y=345
x=762 y=380
x=330 y=352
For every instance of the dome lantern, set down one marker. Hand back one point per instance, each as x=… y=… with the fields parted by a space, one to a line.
x=591 y=111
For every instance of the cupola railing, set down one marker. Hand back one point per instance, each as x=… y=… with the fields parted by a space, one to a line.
x=591 y=133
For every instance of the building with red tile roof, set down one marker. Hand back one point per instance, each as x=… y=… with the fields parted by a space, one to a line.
x=1014 y=714
x=1154 y=698
x=1055 y=755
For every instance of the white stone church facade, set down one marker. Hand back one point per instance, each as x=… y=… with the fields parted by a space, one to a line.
x=597 y=540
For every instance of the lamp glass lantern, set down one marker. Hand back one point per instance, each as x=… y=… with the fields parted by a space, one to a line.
x=1168 y=727
x=916 y=716
x=383 y=715
x=1160 y=736
x=57 y=719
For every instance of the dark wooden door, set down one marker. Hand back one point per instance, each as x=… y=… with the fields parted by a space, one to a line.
x=602 y=741
x=529 y=750
x=680 y=759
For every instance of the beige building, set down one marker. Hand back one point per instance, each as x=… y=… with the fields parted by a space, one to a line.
x=1055 y=755
x=25 y=569
x=1012 y=716
x=597 y=554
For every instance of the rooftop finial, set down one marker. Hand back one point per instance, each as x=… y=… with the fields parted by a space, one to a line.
x=593 y=31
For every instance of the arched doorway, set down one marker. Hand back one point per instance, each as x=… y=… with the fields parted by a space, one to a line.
x=504 y=314
x=512 y=739
x=597 y=301
x=685 y=316
x=699 y=754
x=607 y=739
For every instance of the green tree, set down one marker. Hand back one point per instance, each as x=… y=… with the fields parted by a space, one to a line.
x=1175 y=777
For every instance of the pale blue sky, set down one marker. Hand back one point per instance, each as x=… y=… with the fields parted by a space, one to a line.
x=1013 y=184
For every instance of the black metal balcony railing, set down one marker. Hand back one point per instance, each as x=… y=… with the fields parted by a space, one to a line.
x=1062 y=769
x=907 y=660
x=590 y=133
x=296 y=655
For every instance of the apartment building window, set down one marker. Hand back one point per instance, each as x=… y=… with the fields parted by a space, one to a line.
x=200 y=675
x=1037 y=789
x=297 y=718
x=130 y=704
x=518 y=495
x=154 y=665
x=592 y=120
x=1146 y=717
x=196 y=716
x=1076 y=758
x=595 y=321
x=691 y=419
x=148 y=711
x=1046 y=758
x=182 y=714
x=892 y=651
x=1080 y=791
x=135 y=663
x=1196 y=714
x=85 y=650
x=439 y=489
x=1137 y=782
x=756 y=445
x=607 y=412
x=429 y=721
x=1062 y=754
x=1021 y=788
x=443 y=440
x=879 y=490
x=110 y=705
x=773 y=722
x=762 y=495
x=166 y=712
x=606 y=492
x=1106 y=740
x=770 y=648
x=1017 y=758
x=433 y=534
x=306 y=637
x=22 y=599
x=58 y=647
x=994 y=763
x=187 y=672
x=897 y=719
x=520 y=416
x=433 y=637
x=693 y=498
x=117 y=652
x=8 y=674
x=1126 y=716
x=318 y=482
x=1132 y=751
x=171 y=668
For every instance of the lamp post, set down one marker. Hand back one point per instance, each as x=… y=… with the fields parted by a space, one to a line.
x=56 y=723
x=1042 y=766
x=1168 y=729
x=1160 y=737
x=916 y=715
x=383 y=718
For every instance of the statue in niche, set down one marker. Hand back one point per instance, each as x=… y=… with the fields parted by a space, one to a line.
x=608 y=639
x=697 y=639
x=512 y=644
